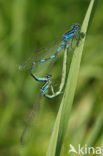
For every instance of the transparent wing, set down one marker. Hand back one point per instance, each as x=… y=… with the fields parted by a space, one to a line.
x=38 y=55
x=30 y=124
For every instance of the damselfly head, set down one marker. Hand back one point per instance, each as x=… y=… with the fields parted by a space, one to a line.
x=48 y=76
x=75 y=27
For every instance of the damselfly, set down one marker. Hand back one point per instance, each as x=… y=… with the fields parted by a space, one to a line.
x=65 y=43
x=70 y=35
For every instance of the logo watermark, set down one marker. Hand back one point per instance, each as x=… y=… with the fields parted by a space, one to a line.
x=85 y=150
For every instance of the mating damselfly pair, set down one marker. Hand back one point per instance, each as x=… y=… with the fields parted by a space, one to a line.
x=66 y=43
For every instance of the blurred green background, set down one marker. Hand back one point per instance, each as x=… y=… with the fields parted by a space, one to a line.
x=27 y=25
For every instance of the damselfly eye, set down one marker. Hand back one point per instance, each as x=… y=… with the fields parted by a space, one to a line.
x=72 y=26
x=48 y=76
x=76 y=27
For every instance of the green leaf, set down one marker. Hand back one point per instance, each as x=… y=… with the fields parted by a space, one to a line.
x=67 y=101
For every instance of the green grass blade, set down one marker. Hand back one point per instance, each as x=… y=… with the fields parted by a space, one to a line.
x=95 y=131
x=66 y=104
